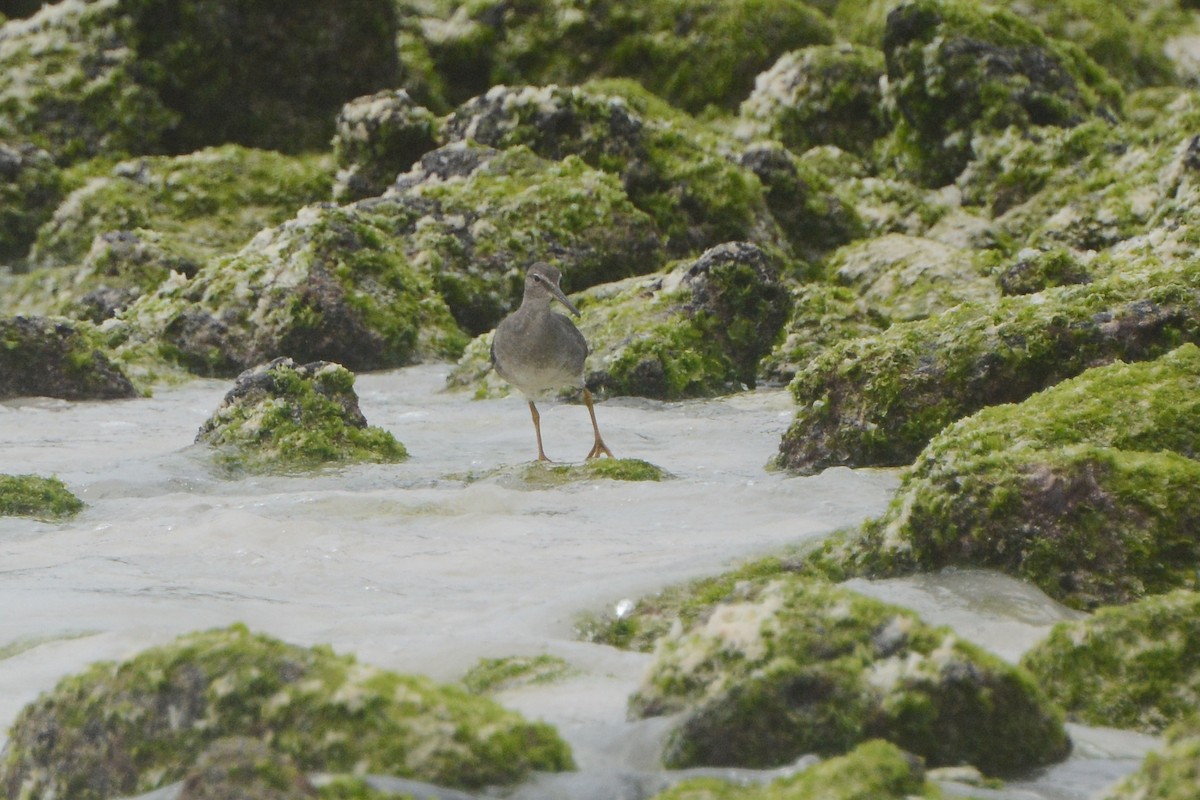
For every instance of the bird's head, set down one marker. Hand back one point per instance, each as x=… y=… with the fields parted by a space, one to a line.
x=541 y=282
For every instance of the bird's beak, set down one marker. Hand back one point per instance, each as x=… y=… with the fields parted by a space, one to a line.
x=562 y=298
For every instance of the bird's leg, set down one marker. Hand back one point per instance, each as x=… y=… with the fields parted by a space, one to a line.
x=599 y=448
x=537 y=428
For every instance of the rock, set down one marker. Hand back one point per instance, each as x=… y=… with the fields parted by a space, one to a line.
x=205 y=203
x=693 y=54
x=879 y=400
x=41 y=357
x=1125 y=667
x=955 y=70
x=876 y=770
x=283 y=416
x=1171 y=774
x=699 y=329
x=121 y=729
x=826 y=94
x=38 y=497
x=1035 y=270
x=1090 y=490
x=672 y=168
x=906 y=277
x=802 y=666
x=379 y=137
x=31 y=185
x=822 y=316
x=244 y=768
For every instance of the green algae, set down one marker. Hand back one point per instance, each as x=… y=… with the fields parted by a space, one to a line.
x=131 y=727
x=493 y=675
x=1132 y=666
x=1088 y=489
x=1171 y=774
x=798 y=666
x=283 y=417
x=53 y=357
x=38 y=497
x=875 y=770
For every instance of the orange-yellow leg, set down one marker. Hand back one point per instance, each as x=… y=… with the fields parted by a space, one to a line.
x=537 y=428
x=599 y=448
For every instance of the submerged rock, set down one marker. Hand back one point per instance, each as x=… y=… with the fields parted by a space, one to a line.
x=797 y=666
x=121 y=729
x=876 y=770
x=1090 y=489
x=955 y=70
x=283 y=415
x=879 y=400
x=1132 y=666
x=42 y=357
x=35 y=496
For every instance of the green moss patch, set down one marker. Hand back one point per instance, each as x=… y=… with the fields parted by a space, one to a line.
x=35 y=496
x=1172 y=774
x=493 y=675
x=131 y=727
x=1090 y=489
x=1135 y=666
x=875 y=770
x=285 y=416
x=799 y=666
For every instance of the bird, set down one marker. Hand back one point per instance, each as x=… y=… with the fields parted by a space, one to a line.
x=541 y=352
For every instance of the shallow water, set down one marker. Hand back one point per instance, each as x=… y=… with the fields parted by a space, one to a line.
x=420 y=567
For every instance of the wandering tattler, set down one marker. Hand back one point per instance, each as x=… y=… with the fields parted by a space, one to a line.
x=540 y=351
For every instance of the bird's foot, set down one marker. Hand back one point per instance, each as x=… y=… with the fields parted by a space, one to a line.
x=600 y=449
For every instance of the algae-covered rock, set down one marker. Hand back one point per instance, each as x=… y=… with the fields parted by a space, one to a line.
x=875 y=770
x=694 y=54
x=672 y=168
x=244 y=768
x=822 y=316
x=35 y=496
x=799 y=666
x=907 y=277
x=1133 y=666
x=879 y=400
x=42 y=357
x=493 y=675
x=121 y=729
x=955 y=70
x=1171 y=774
x=1034 y=270
x=820 y=95
x=31 y=186
x=699 y=329
x=378 y=137
x=1089 y=489
x=209 y=202
x=283 y=415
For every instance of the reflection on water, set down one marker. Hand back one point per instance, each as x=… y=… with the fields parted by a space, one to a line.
x=411 y=566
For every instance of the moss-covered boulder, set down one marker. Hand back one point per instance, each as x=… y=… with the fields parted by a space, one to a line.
x=908 y=277
x=673 y=168
x=876 y=770
x=35 y=496
x=698 y=330
x=31 y=186
x=1171 y=774
x=823 y=315
x=121 y=729
x=1134 y=666
x=284 y=415
x=43 y=357
x=244 y=768
x=822 y=95
x=378 y=137
x=879 y=400
x=693 y=54
x=1090 y=489
x=799 y=666
x=955 y=70
x=209 y=202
